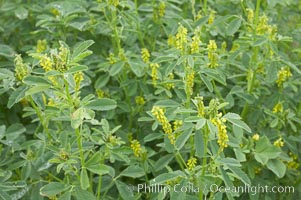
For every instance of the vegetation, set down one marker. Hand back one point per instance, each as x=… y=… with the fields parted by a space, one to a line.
x=101 y=97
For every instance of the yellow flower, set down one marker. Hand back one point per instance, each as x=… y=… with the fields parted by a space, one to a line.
x=189 y=80
x=112 y=59
x=170 y=86
x=211 y=17
x=294 y=164
x=194 y=47
x=255 y=137
x=283 y=75
x=181 y=38
x=191 y=163
x=250 y=15
x=139 y=100
x=113 y=2
x=212 y=56
x=154 y=74
x=46 y=63
x=158 y=113
x=278 y=108
x=200 y=106
x=145 y=55
x=136 y=147
x=171 y=41
x=41 y=46
x=100 y=93
x=177 y=124
x=20 y=68
x=78 y=78
x=222 y=132
x=279 y=142
x=161 y=9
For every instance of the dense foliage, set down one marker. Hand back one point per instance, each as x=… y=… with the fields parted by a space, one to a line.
x=101 y=97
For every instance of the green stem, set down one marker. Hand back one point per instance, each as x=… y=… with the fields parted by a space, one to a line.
x=80 y=147
x=204 y=158
x=205 y=7
x=180 y=160
x=99 y=183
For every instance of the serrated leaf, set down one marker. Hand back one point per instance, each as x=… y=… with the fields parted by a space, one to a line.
x=36 y=80
x=116 y=68
x=162 y=178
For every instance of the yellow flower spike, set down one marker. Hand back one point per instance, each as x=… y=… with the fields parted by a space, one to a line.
x=195 y=45
x=154 y=74
x=100 y=93
x=278 y=108
x=279 y=142
x=211 y=17
x=78 y=78
x=181 y=38
x=41 y=46
x=177 y=124
x=191 y=163
x=171 y=41
x=256 y=137
x=161 y=9
x=212 y=56
x=222 y=136
x=250 y=15
x=20 y=68
x=114 y=3
x=139 y=100
x=158 y=113
x=136 y=147
x=189 y=80
x=112 y=59
x=170 y=86
x=294 y=164
x=46 y=63
x=283 y=75
x=145 y=55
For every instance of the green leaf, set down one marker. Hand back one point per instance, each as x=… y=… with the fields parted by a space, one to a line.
x=133 y=171
x=84 y=179
x=162 y=178
x=182 y=139
x=5 y=73
x=199 y=144
x=227 y=182
x=52 y=189
x=200 y=124
x=37 y=89
x=265 y=151
x=21 y=12
x=16 y=96
x=65 y=196
x=233 y=26
x=81 y=47
x=240 y=174
x=4 y=195
x=167 y=103
x=207 y=82
x=137 y=68
x=163 y=162
x=78 y=68
x=81 y=194
x=6 y=51
x=102 y=104
x=239 y=123
x=36 y=80
x=98 y=168
x=116 y=68
x=277 y=166
x=125 y=190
